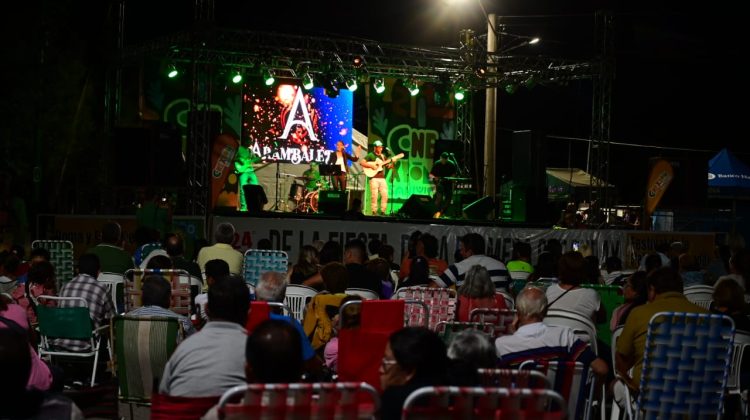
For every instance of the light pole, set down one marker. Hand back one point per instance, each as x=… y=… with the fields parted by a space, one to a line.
x=490 y=114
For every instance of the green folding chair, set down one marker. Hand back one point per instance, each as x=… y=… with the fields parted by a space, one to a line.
x=611 y=297
x=141 y=347
x=69 y=323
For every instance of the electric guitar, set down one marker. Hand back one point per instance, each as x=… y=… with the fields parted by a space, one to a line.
x=370 y=172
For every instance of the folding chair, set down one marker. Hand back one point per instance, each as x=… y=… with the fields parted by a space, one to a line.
x=73 y=323
x=685 y=365
x=61 y=257
x=510 y=303
x=447 y=329
x=141 y=347
x=116 y=287
x=261 y=311
x=514 y=378
x=582 y=326
x=440 y=302
x=466 y=403
x=611 y=297
x=166 y=407
x=296 y=298
x=180 y=280
x=343 y=400
x=259 y=261
x=572 y=380
x=502 y=319
x=741 y=343
x=700 y=295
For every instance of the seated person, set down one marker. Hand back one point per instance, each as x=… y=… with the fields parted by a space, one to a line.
x=568 y=294
x=635 y=292
x=729 y=300
x=350 y=320
x=40 y=281
x=13 y=318
x=157 y=297
x=534 y=340
x=477 y=291
x=17 y=400
x=215 y=269
x=470 y=350
x=273 y=355
x=335 y=277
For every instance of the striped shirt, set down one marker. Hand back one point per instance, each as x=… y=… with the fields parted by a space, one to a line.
x=153 y=310
x=99 y=302
x=456 y=272
x=538 y=341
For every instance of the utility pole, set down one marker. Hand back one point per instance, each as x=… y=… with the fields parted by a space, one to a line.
x=490 y=115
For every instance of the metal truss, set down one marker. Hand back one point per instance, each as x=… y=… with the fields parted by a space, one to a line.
x=601 y=113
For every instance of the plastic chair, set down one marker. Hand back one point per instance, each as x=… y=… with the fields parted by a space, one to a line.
x=611 y=297
x=700 y=295
x=141 y=347
x=72 y=323
x=259 y=261
x=466 y=403
x=180 y=280
x=447 y=329
x=741 y=343
x=366 y=294
x=116 y=287
x=296 y=298
x=582 y=326
x=440 y=303
x=166 y=407
x=514 y=378
x=300 y=400
x=685 y=365
x=501 y=319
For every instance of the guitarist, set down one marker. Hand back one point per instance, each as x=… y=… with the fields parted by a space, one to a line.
x=378 y=185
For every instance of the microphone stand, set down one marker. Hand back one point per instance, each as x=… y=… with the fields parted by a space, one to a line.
x=278 y=176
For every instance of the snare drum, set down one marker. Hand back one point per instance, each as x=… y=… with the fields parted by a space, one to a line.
x=311 y=201
x=296 y=192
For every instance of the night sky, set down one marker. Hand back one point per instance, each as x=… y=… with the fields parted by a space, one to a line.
x=679 y=82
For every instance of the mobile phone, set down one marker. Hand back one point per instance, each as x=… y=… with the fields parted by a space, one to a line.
x=576 y=245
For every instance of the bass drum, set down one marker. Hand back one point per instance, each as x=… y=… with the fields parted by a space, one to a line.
x=311 y=202
x=296 y=192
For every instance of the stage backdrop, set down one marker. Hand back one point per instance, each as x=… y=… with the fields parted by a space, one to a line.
x=410 y=125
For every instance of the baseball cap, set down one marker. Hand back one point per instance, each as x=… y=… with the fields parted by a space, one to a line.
x=377 y=143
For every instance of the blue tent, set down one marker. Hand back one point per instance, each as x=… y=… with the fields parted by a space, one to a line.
x=728 y=177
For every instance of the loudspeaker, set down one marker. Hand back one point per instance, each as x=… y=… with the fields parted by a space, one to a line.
x=530 y=173
x=255 y=198
x=480 y=209
x=418 y=207
x=332 y=202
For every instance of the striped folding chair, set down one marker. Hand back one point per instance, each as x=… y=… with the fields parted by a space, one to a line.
x=259 y=261
x=142 y=346
x=61 y=257
x=501 y=319
x=486 y=403
x=572 y=380
x=180 y=280
x=685 y=365
x=513 y=378
x=448 y=329
x=343 y=400
x=440 y=303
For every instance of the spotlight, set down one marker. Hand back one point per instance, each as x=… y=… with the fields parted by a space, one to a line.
x=307 y=81
x=413 y=87
x=481 y=71
x=459 y=94
x=534 y=40
x=351 y=84
x=511 y=88
x=358 y=61
x=268 y=78
x=172 y=72
x=379 y=85
x=237 y=77
x=530 y=82
x=331 y=87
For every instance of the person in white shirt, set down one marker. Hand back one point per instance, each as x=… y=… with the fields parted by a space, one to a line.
x=471 y=247
x=568 y=294
x=215 y=269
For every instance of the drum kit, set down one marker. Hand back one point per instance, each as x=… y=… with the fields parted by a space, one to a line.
x=306 y=199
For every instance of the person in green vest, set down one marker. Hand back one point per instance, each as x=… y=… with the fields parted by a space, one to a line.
x=520 y=266
x=154 y=213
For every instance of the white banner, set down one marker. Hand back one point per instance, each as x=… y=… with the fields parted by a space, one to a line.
x=291 y=234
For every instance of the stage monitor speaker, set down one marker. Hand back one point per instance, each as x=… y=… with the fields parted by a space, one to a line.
x=418 y=207
x=255 y=198
x=332 y=202
x=480 y=209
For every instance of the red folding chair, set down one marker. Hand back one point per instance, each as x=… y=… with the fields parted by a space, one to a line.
x=165 y=407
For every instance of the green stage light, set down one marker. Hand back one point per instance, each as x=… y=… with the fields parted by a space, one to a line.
x=351 y=84
x=379 y=85
x=173 y=72
x=237 y=77
x=307 y=81
x=459 y=94
x=413 y=88
x=268 y=78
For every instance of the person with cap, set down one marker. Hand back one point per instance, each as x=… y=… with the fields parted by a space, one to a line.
x=440 y=174
x=376 y=160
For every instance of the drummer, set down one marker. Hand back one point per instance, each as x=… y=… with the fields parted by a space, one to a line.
x=312 y=177
x=440 y=174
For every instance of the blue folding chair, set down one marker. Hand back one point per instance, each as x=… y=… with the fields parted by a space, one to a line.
x=685 y=366
x=258 y=261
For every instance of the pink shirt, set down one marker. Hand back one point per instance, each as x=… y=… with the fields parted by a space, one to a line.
x=36 y=290
x=40 y=377
x=331 y=354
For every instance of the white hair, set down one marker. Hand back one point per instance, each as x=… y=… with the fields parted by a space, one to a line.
x=531 y=303
x=473 y=347
x=271 y=287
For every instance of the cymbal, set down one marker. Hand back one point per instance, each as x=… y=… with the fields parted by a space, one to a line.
x=302 y=177
x=451 y=178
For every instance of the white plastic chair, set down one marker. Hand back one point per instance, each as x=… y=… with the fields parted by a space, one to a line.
x=741 y=343
x=700 y=295
x=582 y=326
x=111 y=280
x=296 y=299
x=365 y=294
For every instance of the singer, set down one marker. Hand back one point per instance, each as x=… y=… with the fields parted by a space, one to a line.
x=440 y=174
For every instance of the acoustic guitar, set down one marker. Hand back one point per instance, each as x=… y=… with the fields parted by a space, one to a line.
x=379 y=165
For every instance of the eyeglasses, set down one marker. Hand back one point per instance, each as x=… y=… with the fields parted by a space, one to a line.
x=385 y=363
